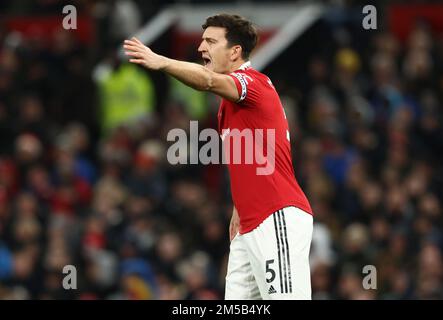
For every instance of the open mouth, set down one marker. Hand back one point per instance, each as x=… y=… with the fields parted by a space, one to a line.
x=206 y=61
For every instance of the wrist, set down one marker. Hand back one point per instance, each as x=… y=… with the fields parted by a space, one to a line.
x=164 y=64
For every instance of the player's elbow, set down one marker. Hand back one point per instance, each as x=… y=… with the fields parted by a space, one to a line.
x=209 y=83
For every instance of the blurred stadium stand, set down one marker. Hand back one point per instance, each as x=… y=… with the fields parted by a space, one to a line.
x=86 y=183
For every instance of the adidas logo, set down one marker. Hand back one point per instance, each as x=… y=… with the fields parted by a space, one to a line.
x=271 y=290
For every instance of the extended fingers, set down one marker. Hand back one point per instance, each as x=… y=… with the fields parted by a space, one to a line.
x=132 y=47
x=133 y=44
x=133 y=51
x=136 y=40
x=133 y=54
x=138 y=61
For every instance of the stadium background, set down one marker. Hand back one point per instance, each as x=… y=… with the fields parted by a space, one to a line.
x=84 y=178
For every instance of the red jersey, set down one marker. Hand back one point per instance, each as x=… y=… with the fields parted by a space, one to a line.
x=260 y=112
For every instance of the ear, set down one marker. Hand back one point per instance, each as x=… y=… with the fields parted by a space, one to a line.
x=236 y=52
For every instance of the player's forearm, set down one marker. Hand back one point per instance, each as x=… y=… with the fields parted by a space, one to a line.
x=191 y=74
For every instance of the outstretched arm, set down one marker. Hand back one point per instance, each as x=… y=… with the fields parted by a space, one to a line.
x=191 y=74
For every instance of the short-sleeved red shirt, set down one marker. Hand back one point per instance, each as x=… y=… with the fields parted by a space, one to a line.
x=256 y=196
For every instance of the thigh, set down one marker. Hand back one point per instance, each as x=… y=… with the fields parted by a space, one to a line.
x=279 y=253
x=240 y=280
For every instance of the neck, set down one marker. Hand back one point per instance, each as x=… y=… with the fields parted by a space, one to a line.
x=236 y=65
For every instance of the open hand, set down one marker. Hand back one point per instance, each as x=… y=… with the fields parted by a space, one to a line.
x=142 y=55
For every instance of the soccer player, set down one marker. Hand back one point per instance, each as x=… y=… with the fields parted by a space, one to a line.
x=271 y=224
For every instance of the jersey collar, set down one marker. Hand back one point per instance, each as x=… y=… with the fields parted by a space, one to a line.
x=245 y=65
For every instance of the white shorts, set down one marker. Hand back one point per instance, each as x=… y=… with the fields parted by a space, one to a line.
x=272 y=261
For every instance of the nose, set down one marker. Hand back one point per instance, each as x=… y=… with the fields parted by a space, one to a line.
x=202 y=47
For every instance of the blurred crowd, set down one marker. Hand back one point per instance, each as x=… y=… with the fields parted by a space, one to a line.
x=370 y=157
x=367 y=147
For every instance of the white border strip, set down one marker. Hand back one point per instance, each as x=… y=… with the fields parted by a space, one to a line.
x=300 y=21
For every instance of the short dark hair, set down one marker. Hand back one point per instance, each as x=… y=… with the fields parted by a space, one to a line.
x=239 y=31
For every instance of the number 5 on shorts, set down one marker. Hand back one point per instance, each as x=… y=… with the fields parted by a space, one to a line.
x=269 y=270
